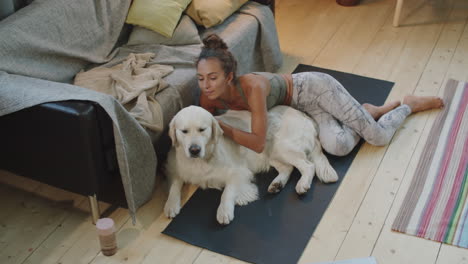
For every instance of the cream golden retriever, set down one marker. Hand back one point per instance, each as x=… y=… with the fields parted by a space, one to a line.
x=201 y=155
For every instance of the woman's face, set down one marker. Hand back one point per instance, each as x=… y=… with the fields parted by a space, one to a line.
x=212 y=79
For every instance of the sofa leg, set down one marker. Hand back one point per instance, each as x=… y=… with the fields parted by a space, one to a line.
x=93 y=204
x=396 y=16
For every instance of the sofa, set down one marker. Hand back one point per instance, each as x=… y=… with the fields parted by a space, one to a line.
x=87 y=142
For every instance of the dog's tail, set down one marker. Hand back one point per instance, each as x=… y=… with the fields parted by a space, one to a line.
x=325 y=172
x=247 y=193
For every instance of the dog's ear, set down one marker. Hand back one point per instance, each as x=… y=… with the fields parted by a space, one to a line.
x=172 y=132
x=216 y=130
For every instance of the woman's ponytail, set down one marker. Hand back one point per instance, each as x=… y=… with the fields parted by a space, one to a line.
x=213 y=41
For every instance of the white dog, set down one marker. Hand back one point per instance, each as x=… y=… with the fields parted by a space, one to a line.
x=201 y=155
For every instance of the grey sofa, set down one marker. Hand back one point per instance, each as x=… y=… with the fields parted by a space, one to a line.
x=83 y=141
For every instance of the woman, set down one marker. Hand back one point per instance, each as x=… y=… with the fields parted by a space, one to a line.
x=340 y=118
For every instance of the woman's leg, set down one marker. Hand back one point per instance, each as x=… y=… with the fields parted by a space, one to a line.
x=319 y=94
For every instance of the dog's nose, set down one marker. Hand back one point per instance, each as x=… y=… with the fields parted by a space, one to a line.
x=194 y=150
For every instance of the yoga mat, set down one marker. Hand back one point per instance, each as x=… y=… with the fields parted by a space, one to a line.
x=436 y=206
x=277 y=227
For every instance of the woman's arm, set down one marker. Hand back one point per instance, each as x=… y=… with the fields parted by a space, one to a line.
x=256 y=97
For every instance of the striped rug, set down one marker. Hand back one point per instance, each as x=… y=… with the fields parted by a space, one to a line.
x=436 y=205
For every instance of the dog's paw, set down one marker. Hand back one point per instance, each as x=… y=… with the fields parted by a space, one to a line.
x=329 y=177
x=279 y=182
x=248 y=193
x=275 y=187
x=302 y=186
x=326 y=173
x=225 y=215
x=171 y=210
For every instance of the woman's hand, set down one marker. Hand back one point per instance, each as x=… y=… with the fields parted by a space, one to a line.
x=246 y=139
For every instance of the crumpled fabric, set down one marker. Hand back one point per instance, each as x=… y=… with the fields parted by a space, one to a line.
x=134 y=84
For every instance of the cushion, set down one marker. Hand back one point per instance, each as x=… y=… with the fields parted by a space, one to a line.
x=186 y=33
x=209 y=13
x=161 y=16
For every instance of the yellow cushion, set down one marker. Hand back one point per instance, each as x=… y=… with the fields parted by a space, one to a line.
x=209 y=13
x=161 y=16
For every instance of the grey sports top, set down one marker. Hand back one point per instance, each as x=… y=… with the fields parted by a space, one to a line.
x=278 y=90
x=279 y=93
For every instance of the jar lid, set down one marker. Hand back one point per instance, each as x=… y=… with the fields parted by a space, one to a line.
x=105 y=226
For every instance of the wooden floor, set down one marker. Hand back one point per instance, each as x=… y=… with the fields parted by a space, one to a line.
x=41 y=224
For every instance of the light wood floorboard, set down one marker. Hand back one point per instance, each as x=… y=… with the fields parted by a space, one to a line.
x=374 y=209
x=42 y=224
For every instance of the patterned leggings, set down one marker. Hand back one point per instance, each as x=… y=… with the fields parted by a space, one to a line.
x=340 y=118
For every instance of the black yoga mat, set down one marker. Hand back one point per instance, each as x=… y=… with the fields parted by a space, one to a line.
x=277 y=227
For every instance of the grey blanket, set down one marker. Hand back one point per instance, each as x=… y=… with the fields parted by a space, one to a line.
x=52 y=40
x=270 y=52
x=256 y=48
x=135 y=153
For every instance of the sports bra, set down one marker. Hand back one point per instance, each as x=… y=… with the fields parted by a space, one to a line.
x=280 y=92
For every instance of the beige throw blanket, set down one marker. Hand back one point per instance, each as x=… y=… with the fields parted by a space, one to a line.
x=134 y=84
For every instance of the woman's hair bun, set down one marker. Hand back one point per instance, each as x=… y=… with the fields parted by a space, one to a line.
x=213 y=41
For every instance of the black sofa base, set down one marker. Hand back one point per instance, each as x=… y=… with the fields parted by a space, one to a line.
x=69 y=145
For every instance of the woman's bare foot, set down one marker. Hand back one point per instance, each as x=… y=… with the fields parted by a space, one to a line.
x=378 y=111
x=422 y=103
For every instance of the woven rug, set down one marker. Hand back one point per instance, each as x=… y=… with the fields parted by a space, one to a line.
x=435 y=206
